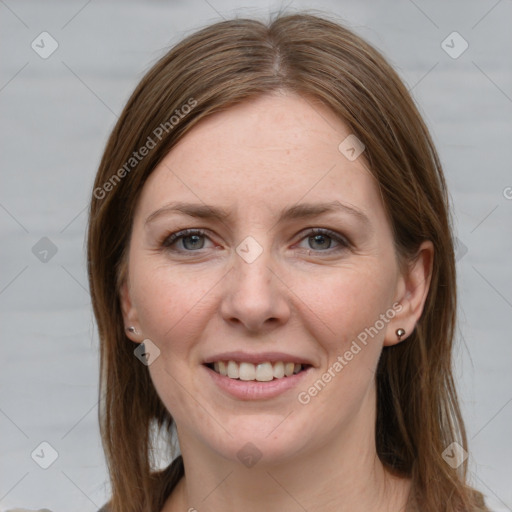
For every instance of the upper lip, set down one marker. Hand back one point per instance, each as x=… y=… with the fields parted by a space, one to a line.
x=261 y=357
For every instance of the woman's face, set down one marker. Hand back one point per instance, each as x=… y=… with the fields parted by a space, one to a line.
x=288 y=261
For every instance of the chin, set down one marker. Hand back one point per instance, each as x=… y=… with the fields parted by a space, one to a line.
x=260 y=438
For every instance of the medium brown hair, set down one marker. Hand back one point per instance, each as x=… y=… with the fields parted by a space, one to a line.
x=224 y=64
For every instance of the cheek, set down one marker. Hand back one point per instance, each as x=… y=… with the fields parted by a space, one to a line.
x=171 y=304
x=159 y=302
x=345 y=302
x=344 y=309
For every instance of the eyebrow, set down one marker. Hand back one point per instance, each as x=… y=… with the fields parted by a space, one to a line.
x=296 y=212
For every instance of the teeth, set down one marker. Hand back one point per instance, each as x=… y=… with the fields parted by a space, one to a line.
x=263 y=372
x=233 y=370
x=247 y=371
x=279 y=370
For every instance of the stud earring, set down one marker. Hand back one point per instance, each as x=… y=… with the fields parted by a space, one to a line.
x=131 y=329
x=400 y=332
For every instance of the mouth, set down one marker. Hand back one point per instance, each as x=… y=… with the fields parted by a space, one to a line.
x=266 y=371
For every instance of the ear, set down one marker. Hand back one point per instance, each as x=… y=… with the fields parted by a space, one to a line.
x=130 y=315
x=412 y=291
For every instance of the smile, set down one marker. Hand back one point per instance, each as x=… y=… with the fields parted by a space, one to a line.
x=261 y=372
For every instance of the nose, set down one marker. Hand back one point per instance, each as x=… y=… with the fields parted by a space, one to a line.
x=254 y=297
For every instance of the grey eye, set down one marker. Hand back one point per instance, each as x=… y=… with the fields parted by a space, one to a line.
x=192 y=242
x=320 y=242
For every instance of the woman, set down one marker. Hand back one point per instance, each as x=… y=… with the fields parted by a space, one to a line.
x=272 y=273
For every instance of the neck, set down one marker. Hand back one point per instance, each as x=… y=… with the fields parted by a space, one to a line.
x=341 y=474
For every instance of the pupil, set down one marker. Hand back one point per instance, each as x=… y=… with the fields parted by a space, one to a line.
x=322 y=241
x=195 y=242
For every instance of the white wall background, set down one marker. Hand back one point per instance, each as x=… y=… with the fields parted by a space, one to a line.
x=55 y=116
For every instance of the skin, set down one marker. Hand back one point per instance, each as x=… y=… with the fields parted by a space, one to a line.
x=301 y=295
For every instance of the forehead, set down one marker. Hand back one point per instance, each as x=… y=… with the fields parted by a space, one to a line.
x=274 y=151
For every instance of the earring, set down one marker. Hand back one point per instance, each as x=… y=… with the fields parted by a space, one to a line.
x=400 y=332
x=131 y=329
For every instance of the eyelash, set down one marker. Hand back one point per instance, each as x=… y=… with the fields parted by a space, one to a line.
x=179 y=235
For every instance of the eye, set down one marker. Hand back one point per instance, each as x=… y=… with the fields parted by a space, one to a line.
x=193 y=240
x=190 y=240
x=324 y=240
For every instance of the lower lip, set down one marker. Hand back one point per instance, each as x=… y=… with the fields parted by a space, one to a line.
x=255 y=390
